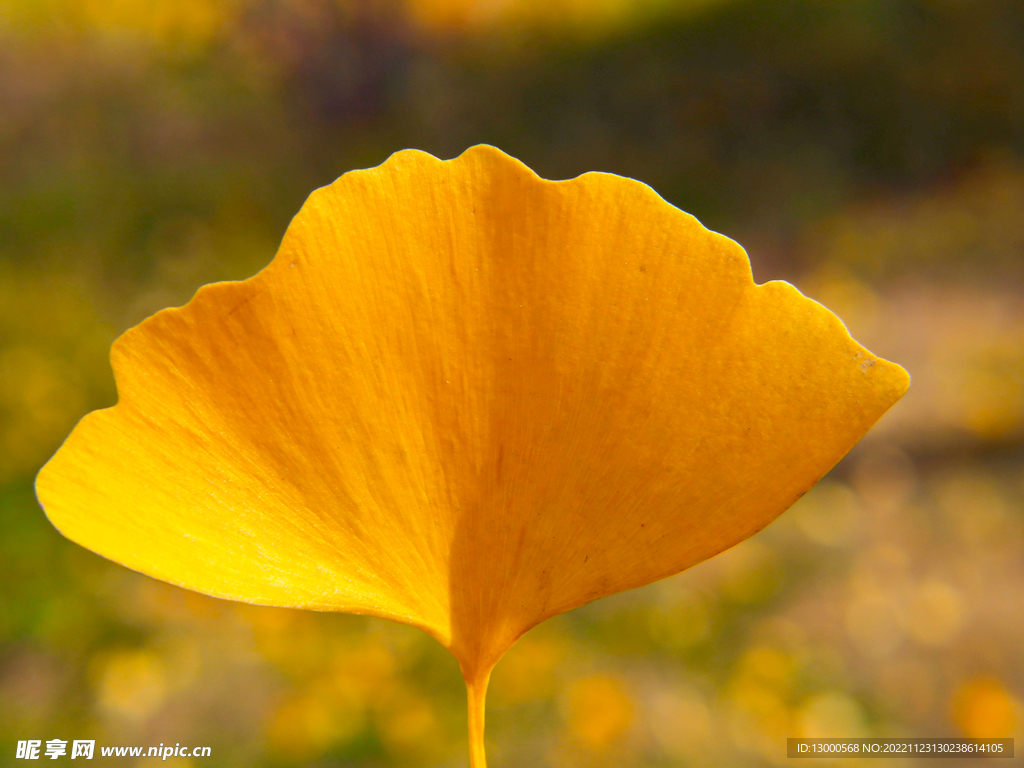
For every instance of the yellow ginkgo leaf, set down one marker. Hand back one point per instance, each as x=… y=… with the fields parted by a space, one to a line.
x=468 y=399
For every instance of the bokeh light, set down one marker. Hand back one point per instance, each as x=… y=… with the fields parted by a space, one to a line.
x=870 y=153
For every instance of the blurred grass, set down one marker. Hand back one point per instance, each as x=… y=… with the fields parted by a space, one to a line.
x=871 y=152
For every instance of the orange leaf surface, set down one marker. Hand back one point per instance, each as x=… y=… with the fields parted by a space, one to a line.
x=468 y=399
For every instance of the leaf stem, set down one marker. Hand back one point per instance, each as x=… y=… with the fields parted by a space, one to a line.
x=476 y=693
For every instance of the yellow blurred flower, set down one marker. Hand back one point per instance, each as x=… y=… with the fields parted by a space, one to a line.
x=304 y=725
x=407 y=724
x=988 y=388
x=192 y=23
x=832 y=714
x=599 y=710
x=936 y=613
x=131 y=684
x=983 y=708
x=178 y=24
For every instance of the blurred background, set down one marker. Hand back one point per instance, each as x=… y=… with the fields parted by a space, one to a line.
x=869 y=151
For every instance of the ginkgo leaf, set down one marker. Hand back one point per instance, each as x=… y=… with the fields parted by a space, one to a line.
x=468 y=399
